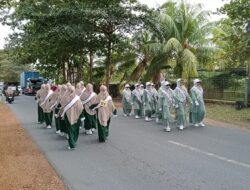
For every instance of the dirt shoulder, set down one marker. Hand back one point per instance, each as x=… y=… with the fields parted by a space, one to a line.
x=22 y=165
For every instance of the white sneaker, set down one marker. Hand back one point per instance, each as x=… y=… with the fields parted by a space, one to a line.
x=202 y=124
x=157 y=120
x=137 y=117
x=181 y=127
x=89 y=132
x=82 y=119
x=93 y=130
x=196 y=125
x=146 y=119
x=71 y=148
x=61 y=134
x=48 y=127
x=58 y=132
x=168 y=129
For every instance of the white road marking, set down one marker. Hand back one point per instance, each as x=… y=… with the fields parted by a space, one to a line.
x=211 y=154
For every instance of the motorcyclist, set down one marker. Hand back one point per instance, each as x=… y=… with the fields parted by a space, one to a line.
x=9 y=93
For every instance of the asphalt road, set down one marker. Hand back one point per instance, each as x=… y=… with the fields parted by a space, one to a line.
x=141 y=156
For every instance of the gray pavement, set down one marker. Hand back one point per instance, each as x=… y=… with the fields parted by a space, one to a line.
x=141 y=156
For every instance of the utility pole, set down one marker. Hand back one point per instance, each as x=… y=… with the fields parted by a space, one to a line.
x=247 y=82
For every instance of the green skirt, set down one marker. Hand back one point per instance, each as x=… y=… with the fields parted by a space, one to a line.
x=48 y=118
x=103 y=131
x=57 y=120
x=62 y=125
x=73 y=131
x=90 y=121
x=40 y=114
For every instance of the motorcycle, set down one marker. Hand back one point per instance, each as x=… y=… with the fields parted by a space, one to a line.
x=10 y=99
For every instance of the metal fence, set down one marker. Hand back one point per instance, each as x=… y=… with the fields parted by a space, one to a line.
x=226 y=89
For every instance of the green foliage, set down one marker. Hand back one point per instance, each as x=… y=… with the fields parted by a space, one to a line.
x=238 y=11
x=60 y=35
x=181 y=36
x=109 y=40
x=9 y=70
x=234 y=39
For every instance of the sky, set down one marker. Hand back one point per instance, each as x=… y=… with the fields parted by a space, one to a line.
x=210 y=5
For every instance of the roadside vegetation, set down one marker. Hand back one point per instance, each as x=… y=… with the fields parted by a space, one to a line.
x=228 y=114
x=124 y=41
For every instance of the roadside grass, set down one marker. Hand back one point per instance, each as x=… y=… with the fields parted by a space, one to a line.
x=228 y=114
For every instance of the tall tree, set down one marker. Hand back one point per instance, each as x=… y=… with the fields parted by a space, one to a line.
x=238 y=12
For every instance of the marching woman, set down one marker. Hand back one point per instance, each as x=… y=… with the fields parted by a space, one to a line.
x=71 y=113
x=181 y=98
x=82 y=85
x=198 y=107
x=40 y=95
x=155 y=99
x=79 y=89
x=105 y=108
x=142 y=110
x=148 y=102
x=137 y=101
x=166 y=101
x=158 y=112
x=60 y=106
x=88 y=98
x=48 y=114
x=126 y=101
x=54 y=101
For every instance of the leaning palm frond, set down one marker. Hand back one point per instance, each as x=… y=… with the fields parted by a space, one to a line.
x=189 y=64
x=172 y=45
x=158 y=63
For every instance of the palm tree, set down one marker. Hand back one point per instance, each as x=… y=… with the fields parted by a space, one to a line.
x=183 y=32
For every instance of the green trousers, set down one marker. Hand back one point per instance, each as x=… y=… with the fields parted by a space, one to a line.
x=198 y=113
x=90 y=121
x=73 y=131
x=181 y=114
x=137 y=112
x=57 y=120
x=62 y=125
x=126 y=107
x=48 y=118
x=166 y=115
x=142 y=112
x=40 y=114
x=103 y=131
x=148 y=113
x=126 y=111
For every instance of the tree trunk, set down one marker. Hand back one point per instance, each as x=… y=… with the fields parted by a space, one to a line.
x=91 y=58
x=80 y=67
x=64 y=72
x=108 y=63
x=69 y=72
x=248 y=68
